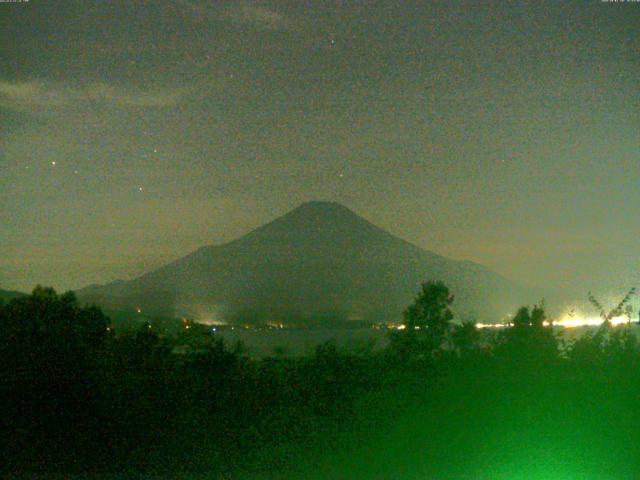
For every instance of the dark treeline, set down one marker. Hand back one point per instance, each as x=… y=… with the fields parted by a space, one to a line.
x=443 y=400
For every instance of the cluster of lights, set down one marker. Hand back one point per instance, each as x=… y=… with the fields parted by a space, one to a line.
x=567 y=322
x=275 y=325
x=492 y=325
x=570 y=322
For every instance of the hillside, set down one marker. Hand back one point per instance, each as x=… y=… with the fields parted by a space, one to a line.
x=8 y=295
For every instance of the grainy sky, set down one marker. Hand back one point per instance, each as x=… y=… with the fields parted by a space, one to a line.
x=505 y=133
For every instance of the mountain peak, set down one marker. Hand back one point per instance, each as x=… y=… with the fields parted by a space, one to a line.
x=321 y=206
x=314 y=215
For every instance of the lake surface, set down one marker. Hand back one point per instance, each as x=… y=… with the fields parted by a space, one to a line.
x=260 y=343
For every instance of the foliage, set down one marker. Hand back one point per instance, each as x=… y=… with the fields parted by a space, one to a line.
x=49 y=347
x=77 y=398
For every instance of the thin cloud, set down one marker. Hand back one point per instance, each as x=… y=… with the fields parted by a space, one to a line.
x=40 y=96
x=240 y=14
x=26 y=95
x=259 y=17
x=103 y=91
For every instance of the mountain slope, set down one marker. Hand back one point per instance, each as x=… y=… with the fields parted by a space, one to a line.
x=319 y=261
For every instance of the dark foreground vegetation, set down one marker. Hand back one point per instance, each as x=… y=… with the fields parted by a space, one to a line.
x=443 y=401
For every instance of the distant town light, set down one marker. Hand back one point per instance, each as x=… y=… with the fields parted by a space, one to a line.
x=566 y=322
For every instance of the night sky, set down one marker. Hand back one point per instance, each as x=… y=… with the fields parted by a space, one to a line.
x=132 y=133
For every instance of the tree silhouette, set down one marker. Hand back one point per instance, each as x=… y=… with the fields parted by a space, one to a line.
x=534 y=318
x=529 y=340
x=427 y=321
x=622 y=308
x=465 y=338
x=430 y=310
